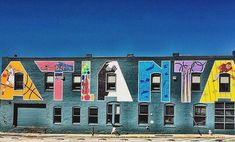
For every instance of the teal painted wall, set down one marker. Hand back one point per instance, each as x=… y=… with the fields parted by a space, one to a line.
x=183 y=123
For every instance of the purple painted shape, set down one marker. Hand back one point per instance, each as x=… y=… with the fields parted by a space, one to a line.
x=186 y=68
x=189 y=66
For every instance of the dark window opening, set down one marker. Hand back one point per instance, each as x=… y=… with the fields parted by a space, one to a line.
x=224 y=82
x=169 y=114
x=111 y=82
x=143 y=114
x=49 y=81
x=76 y=115
x=113 y=113
x=224 y=115
x=76 y=82
x=57 y=115
x=93 y=115
x=155 y=82
x=199 y=115
x=19 y=81
x=196 y=80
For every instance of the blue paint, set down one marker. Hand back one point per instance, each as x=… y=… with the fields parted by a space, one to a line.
x=146 y=68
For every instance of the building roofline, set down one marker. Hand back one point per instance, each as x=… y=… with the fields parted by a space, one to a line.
x=125 y=57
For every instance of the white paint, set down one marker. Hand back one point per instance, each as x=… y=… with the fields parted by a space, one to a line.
x=122 y=92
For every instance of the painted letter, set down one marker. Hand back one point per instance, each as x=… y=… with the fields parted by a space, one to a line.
x=8 y=88
x=146 y=68
x=186 y=68
x=58 y=68
x=121 y=91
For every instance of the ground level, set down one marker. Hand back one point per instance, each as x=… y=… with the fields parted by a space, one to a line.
x=35 y=137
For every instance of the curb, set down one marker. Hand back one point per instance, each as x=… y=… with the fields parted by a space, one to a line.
x=216 y=136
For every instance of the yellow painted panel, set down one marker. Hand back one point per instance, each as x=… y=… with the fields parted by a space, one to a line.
x=29 y=91
x=211 y=91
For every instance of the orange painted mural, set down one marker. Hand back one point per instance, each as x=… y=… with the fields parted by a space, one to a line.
x=15 y=81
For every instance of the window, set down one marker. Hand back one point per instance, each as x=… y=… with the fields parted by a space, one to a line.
x=19 y=81
x=143 y=113
x=49 y=83
x=57 y=115
x=76 y=84
x=113 y=113
x=169 y=114
x=111 y=82
x=224 y=115
x=155 y=82
x=199 y=115
x=224 y=82
x=93 y=115
x=76 y=115
x=196 y=79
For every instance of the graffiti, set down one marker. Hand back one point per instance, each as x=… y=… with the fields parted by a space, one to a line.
x=85 y=82
x=211 y=92
x=11 y=88
x=58 y=68
x=121 y=89
x=186 y=68
x=146 y=68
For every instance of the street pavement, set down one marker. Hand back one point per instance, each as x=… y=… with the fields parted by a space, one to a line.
x=33 y=137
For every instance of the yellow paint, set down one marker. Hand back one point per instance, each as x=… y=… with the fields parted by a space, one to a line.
x=211 y=92
x=29 y=91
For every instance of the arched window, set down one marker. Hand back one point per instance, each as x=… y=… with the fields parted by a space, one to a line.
x=113 y=113
x=143 y=113
x=76 y=115
x=196 y=80
x=169 y=114
x=199 y=115
x=57 y=115
x=110 y=82
x=49 y=81
x=155 y=82
x=93 y=115
x=224 y=82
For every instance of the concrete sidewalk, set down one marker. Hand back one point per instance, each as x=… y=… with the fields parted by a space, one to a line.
x=216 y=136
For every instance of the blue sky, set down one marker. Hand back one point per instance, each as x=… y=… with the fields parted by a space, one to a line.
x=116 y=27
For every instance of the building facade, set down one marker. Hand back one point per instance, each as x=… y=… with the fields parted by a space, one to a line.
x=174 y=94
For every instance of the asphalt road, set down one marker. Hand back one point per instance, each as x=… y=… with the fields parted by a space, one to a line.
x=84 y=139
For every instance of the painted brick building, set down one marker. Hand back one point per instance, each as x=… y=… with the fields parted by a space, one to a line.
x=174 y=94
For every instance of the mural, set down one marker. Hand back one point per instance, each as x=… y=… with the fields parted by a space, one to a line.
x=121 y=91
x=211 y=91
x=146 y=68
x=85 y=82
x=8 y=83
x=58 y=68
x=186 y=68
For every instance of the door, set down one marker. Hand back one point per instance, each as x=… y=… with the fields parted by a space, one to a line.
x=30 y=115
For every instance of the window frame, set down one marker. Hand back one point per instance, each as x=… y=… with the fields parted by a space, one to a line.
x=224 y=116
x=139 y=114
x=195 y=124
x=46 y=83
x=15 y=74
x=73 y=115
x=113 y=113
x=167 y=115
x=152 y=84
x=192 y=84
x=106 y=82
x=57 y=115
x=223 y=90
x=89 y=116
x=74 y=84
